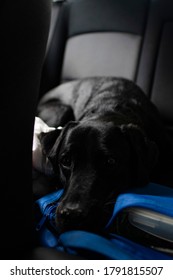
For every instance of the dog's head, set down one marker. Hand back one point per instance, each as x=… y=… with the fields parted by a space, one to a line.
x=96 y=161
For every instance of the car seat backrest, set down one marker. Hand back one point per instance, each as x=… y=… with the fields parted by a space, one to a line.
x=104 y=38
x=95 y=38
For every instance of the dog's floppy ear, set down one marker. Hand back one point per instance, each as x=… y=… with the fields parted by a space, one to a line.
x=48 y=139
x=52 y=142
x=44 y=143
x=144 y=154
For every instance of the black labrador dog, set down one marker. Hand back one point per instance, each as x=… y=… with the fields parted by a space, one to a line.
x=112 y=140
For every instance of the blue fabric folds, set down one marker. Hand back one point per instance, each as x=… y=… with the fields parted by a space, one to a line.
x=111 y=246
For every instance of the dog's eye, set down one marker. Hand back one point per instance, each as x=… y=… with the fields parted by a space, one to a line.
x=111 y=161
x=65 y=161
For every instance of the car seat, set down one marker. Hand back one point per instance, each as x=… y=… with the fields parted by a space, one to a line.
x=94 y=38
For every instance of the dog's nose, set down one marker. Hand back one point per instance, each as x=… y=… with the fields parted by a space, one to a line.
x=70 y=210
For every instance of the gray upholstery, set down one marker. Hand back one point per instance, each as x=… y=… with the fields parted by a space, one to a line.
x=101 y=54
x=86 y=17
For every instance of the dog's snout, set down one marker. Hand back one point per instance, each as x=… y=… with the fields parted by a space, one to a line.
x=70 y=210
x=76 y=216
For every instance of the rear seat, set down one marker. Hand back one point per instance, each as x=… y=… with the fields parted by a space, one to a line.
x=132 y=39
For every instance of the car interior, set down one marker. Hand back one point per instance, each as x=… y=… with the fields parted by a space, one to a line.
x=46 y=43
